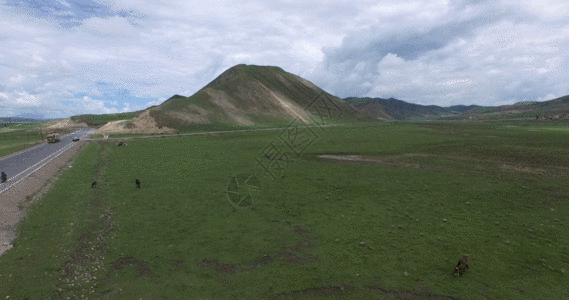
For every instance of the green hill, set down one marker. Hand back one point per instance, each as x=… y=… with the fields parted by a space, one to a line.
x=250 y=94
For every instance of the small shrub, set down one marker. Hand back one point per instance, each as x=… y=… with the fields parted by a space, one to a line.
x=129 y=124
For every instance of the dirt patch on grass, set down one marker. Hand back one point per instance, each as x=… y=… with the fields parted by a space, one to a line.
x=381 y=160
x=177 y=264
x=79 y=271
x=326 y=290
x=482 y=164
x=410 y=294
x=294 y=254
x=520 y=168
x=421 y=293
x=221 y=267
x=142 y=265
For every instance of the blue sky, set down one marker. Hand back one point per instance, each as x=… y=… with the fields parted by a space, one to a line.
x=60 y=58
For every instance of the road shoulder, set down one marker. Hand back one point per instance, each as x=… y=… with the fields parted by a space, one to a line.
x=14 y=201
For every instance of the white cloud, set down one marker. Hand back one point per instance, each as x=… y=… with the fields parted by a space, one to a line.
x=141 y=106
x=35 y=61
x=94 y=106
x=549 y=96
x=17 y=79
x=391 y=60
x=64 y=3
x=95 y=93
x=151 y=103
x=108 y=27
x=26 y=100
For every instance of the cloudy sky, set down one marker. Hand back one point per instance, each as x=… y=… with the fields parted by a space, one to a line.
x=60 y=58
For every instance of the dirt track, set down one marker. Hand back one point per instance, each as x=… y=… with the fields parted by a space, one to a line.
x=14 y=200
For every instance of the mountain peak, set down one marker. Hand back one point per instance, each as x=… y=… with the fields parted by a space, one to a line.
x=249 y=94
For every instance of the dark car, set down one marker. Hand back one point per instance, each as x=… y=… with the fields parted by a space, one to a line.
x=75 y=139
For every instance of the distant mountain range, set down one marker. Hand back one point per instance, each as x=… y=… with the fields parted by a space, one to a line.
x=23 y=118
x=553 y=109
x=393 y=109
x=9 y=120
x=31 y=116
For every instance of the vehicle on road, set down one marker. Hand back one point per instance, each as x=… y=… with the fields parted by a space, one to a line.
x=75 y=139
x=52 y=137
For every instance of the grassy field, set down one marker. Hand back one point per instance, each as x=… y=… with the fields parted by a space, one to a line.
x=197 y=128
x=17 y=137
x=392 y=226
x=201 y=128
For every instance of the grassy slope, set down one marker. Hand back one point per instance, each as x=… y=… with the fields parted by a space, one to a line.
x=99 y=120
x=179 y=236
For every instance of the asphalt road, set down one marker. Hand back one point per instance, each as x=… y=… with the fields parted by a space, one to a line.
x=19 y=165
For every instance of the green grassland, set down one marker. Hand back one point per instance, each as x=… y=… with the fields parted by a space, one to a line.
x=196 y=128
x=16 y=137
x=261 y=123
x=390 y=227
x=16 y=140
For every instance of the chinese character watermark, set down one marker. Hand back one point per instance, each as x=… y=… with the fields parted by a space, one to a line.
x=244 y=190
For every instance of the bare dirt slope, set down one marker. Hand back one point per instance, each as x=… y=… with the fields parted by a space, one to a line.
x=66 y=123
x=141 y=124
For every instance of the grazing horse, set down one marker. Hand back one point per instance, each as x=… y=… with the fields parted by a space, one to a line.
x=461 y=266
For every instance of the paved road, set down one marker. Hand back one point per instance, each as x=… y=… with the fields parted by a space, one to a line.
x=19 y=165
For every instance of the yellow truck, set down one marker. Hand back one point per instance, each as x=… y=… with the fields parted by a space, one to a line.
x=53 y=137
